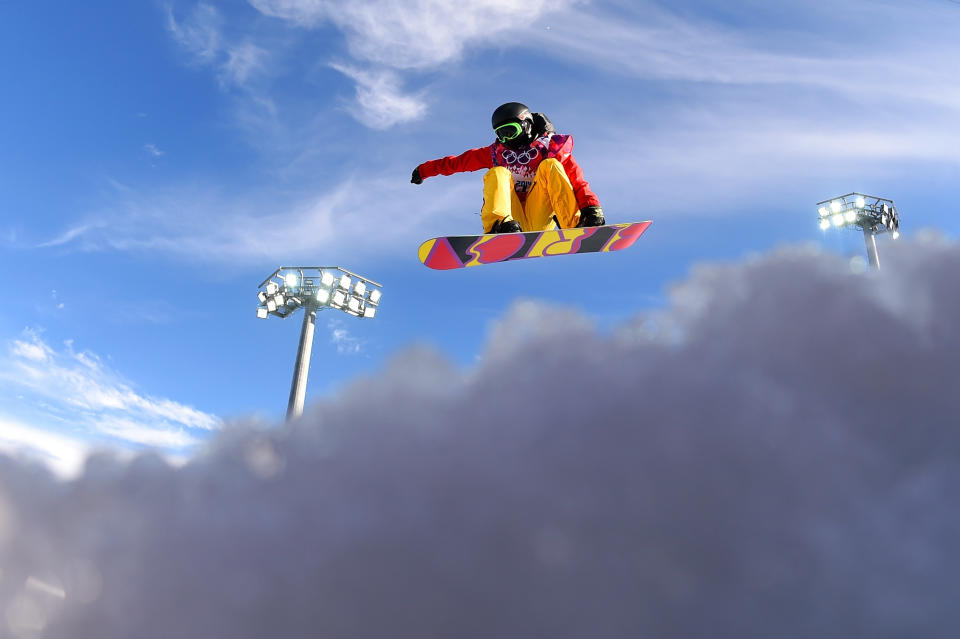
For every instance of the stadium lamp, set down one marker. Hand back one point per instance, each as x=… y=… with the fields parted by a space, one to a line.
x=873 y=215
x=314 y=288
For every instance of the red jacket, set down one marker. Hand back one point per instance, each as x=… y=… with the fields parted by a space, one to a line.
x=522 y=163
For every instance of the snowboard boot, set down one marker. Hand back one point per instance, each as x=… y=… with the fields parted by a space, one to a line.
x=591 y=216
x=505 y=226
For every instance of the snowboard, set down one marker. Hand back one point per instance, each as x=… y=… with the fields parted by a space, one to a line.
x=461 y=251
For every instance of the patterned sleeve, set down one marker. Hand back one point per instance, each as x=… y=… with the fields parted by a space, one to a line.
x=472 y=160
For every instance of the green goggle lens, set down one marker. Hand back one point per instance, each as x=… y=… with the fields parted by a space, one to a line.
x=508 y=131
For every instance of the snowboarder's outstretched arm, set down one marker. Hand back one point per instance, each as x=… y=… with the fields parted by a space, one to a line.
x=472 y=160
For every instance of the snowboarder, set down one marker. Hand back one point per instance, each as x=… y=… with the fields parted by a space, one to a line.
x=532 y=183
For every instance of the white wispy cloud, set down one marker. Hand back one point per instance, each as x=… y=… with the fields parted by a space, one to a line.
x=427 y=33
x=386 y=37
x=342 y=339
x=204 y=225
x=692 y=163
x=133 y=431
x=67 y=382
x=71 y=234
x=381 y=101
x=59 y=305
x=646 y=40
x=419 y=34
x=752 y=113
x=153 y=150
x=201 y=35
x=32 y=351
x=243 y=61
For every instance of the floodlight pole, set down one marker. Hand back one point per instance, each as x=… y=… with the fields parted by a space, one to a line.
x=870 y=239
x=298 y=389
x=873 y=215
x=313 y=288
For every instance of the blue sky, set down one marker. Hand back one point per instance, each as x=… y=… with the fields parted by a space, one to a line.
x=160 y=159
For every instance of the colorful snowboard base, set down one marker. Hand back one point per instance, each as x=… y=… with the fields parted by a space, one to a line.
x=460 y=251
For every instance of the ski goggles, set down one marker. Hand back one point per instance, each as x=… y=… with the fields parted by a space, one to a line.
x=508 y=131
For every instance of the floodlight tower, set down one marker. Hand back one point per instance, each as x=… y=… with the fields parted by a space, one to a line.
x=873 y=215
x=314 y=288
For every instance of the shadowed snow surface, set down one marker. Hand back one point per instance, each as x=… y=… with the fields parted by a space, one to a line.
x=775 y=454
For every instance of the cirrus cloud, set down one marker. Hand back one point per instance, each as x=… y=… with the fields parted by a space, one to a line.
x=76 y=391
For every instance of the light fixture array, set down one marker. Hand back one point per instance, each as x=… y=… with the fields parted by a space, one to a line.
x=865 y=212
x=290 y=287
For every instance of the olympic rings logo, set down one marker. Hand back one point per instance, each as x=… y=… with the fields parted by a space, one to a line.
x=512 y=157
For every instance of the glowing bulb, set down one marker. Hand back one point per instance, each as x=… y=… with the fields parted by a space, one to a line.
x=262 y=313
x=360 y=288
x=860 y=203
x=837 y=219
x=375 y=296
x=327 y=278
x=824 y=224
x=823 y=211
x=851 y=216
x=835 y=206
x=271 y=305
x=290 y=280
x=896 y=234
x=323 y=295
x=272 y=288
x=369 y=311
x=354 y=305
x=338 y=298
x=345 y=282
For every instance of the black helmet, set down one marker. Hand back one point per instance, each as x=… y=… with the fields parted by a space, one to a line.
x=513 y=124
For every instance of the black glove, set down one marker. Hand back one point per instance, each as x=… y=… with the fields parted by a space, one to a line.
x=591 y=216
x=542 y=125
x=505 y=226
x=415 y=178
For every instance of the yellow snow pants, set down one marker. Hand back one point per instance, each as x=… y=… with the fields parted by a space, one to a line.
x=551 y=194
